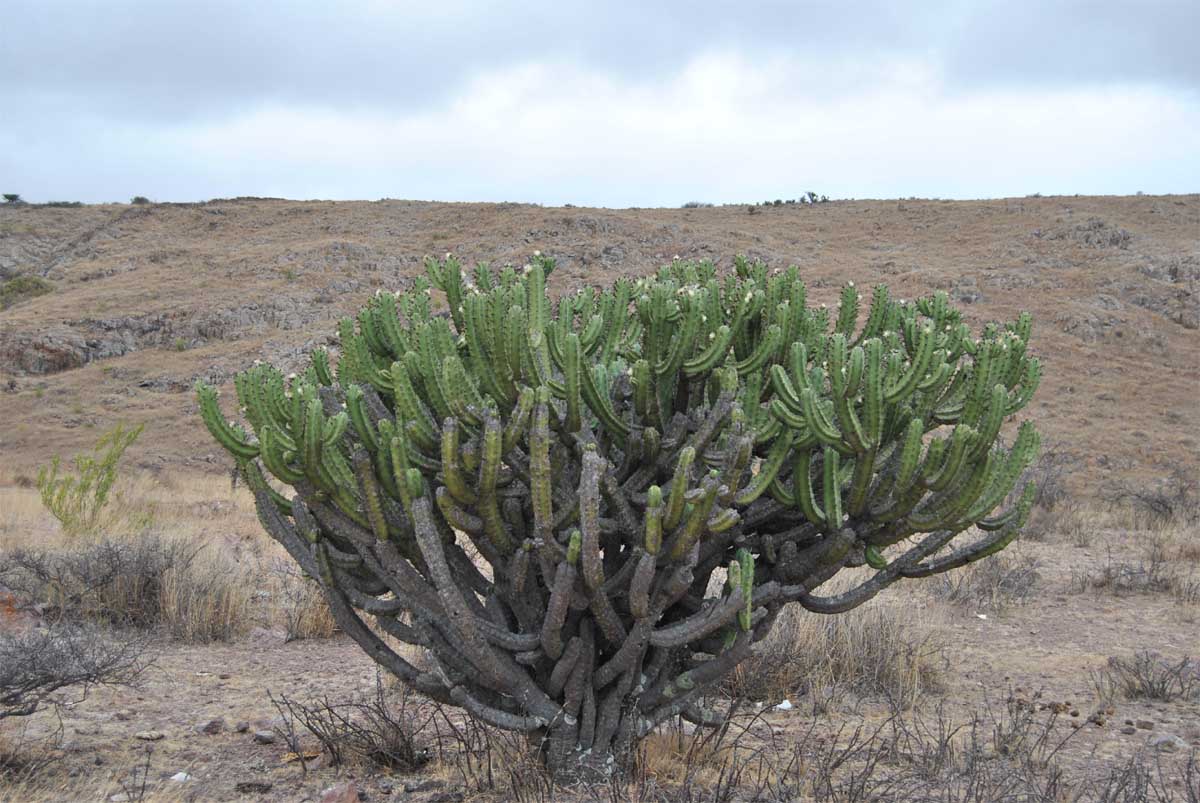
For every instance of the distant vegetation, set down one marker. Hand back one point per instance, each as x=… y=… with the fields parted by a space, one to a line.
x=806 y=198
x=22 y=288
x=12 y=198
x=139 y=200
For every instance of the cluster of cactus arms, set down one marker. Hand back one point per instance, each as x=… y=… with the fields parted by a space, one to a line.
x=586 y=512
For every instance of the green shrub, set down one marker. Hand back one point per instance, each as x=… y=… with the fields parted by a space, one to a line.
x=139 y=200
x=650 y=472
x=22 y=288
x=78 y=497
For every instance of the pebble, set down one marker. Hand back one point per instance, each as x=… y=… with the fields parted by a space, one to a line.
x=180 y=777
x=119 y=797
x=1167 y=743
x=264 y=737
x=1146 y=724
x=252 y=787
x=1128 y=730
x=786 y=705
x=242 y=726
x=211 y=727
x=150 y=736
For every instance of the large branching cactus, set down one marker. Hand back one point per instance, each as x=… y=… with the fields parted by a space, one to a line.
x=586 y=514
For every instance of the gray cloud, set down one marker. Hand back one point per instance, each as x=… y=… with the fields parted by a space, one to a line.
x=149 y=59
x=190 y=99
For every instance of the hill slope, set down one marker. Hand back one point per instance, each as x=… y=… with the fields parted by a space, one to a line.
x=147 y=299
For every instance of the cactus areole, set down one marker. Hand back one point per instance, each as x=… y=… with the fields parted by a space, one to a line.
x=544 y=496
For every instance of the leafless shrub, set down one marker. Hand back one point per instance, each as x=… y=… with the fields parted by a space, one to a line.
x=1147 y=675
x=40 y=662
x=379 y=730
x=1145 y=779
x=1153 y=573
x=994 y=584
x=876 y=650
x=1174 y=499
x=143 y=581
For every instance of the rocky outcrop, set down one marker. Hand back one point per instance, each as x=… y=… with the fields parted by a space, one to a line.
x=76 y=343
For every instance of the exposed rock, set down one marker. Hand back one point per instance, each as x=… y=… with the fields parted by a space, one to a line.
x=1167 y=743
x=1146 y=724
x=150 y=736
x=1096 y=233
x=345 y=792
x=242 y=726
x=422 y=786
x=181 y=777
x=264 y=737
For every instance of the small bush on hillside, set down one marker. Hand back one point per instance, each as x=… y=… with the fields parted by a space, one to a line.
x=697 y=205
x=22 y=288
x=37 y=663
x=145 y=581
x=12 y=198
x=1148 y=676
x=79 y=497
x=381 y=730
x=139 y=200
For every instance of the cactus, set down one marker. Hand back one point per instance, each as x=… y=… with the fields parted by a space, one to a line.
x=604 y=457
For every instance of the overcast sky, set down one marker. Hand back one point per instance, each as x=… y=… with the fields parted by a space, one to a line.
x=618 y=103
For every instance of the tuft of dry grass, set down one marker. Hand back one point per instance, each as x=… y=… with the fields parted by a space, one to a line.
x=675 y=757
x=883 y=648
x=298 y=603
x=994 y=584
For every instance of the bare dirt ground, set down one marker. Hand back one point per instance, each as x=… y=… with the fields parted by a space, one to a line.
x=148 y=299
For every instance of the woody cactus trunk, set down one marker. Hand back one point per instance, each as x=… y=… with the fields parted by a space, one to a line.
x=586 y=517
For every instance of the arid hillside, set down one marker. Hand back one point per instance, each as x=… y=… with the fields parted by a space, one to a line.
x=1063 y=669
x=143 y=300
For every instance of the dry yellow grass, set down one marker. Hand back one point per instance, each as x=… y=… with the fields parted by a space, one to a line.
x=219 y=583
x=891 y=647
